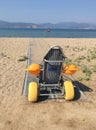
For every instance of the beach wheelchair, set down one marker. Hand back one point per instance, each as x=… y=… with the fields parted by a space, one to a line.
x=48 y=77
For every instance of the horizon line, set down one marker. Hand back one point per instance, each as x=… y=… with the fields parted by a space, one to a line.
x=47 y=22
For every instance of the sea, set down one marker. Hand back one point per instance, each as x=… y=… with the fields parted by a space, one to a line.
x=53 y=33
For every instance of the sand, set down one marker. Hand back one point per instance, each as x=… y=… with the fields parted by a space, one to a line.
x=15 y=111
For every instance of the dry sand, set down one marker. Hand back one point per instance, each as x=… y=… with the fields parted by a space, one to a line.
x=15 y=111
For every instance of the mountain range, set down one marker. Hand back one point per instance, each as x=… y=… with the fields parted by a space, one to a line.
x=61 y=25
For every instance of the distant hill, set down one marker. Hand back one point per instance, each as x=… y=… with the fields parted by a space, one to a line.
x=68 y=25
x=4 y=24
x=61 y=25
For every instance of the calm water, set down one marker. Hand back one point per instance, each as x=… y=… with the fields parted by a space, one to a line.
x=55 y=33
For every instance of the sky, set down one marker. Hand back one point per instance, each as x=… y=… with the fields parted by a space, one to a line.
x=45 y=11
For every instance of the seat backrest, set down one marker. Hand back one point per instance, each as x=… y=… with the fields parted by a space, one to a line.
x=52 y=65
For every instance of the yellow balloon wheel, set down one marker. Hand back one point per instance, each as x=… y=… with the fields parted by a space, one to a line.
x=68 y=90
x=33 y=92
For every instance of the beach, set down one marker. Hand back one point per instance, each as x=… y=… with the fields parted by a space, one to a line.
x=16 y=113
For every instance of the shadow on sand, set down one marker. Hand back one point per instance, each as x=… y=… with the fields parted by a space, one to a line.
x=81 y=87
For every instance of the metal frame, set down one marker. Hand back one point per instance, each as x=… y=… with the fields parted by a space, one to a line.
x=54 y=89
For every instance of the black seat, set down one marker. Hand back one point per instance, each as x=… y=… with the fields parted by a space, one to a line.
x=52 y=65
